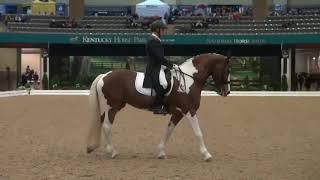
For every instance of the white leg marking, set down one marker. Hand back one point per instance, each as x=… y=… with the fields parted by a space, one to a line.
x=197 y=132
x=107 y=132
x=164 y=140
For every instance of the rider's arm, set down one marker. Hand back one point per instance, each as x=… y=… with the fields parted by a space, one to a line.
x=156 y=50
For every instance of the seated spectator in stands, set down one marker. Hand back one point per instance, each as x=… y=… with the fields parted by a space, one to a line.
x=209 y=19
x=74 y=23
x=230 y=16
x=205 y=24
x=17 y=18
x=135 y=16
x=171 y=19
x=197 y=24
x=288 y=24
x=29 y=12
x=24 y=18
x=236 y=16
x=59 y=24
x=134 y=24
x=216 y=21
x=53 y=23
x=6 y=19
x=131 y=22
x=184 y=29
x=200 y=24
x=88 y=26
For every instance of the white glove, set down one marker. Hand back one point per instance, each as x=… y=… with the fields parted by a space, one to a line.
x=175 y=67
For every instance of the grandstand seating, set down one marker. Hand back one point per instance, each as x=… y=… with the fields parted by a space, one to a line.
x=307 y=24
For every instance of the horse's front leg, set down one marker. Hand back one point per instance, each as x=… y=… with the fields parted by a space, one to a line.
x=193 y=120
x=175 y=118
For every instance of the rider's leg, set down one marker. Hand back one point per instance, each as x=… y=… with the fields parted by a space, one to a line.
x=158 y=103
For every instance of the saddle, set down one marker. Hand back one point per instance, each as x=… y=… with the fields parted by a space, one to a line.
x=144 y=86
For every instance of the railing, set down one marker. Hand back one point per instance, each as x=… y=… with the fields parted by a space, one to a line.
x=204 y=93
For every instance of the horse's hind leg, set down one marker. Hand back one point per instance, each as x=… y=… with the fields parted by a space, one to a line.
x=175 y=118
x=107 y=125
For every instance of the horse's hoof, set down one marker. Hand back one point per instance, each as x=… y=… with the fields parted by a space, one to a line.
x=162 y=157
x=89 y=150
x=208 y=159
x=114 y=154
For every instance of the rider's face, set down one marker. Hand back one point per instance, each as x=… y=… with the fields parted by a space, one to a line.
x=162 y=32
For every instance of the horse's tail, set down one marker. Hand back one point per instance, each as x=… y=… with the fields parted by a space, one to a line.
x=93 y=139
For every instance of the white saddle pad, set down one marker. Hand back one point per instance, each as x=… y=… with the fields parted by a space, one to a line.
x=147 y=91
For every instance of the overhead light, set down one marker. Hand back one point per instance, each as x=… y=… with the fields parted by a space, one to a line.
x=314 y=58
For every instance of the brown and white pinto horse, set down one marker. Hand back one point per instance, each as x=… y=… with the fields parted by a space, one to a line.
x=110 y=93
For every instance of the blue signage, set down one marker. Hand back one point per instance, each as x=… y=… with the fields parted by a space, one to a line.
x=11 y=9
x=2 y=9
x=61 y=10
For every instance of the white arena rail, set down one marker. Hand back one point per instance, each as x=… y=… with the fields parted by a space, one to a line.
x=204 y=93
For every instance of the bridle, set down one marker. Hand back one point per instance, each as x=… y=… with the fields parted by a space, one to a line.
x=182 y=77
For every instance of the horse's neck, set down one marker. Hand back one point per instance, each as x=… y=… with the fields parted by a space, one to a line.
x=188 y=67
x=187 y=78
x=191 y=70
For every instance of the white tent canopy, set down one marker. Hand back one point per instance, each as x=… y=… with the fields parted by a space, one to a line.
x=152 y=8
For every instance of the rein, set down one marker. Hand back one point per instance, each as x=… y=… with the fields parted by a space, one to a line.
x=182 y=77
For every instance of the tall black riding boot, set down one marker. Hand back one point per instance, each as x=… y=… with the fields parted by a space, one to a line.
x=158 y=107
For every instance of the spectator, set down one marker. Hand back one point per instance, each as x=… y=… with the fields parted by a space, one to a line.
x=24 y=79
x=17 y=18
x=29 y=12
x=236 y=16
x=53 y=23
x=6 y=19
x=135 y=16
x=24 y=18
x=35 y=77
x=28 y=69
x=74 y=23
x=230 y=16
x=30 y=76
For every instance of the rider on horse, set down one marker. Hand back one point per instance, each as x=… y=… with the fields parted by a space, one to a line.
x=155 y=55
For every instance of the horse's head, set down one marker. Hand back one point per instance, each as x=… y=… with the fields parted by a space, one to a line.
x=201 y=67
x=218 y=67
